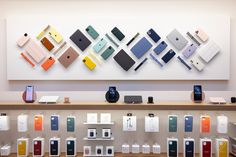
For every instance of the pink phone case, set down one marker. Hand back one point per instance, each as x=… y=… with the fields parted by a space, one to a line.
x=201 y=35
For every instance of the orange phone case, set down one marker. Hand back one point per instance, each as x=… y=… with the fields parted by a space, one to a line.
x=48 y=63
x=205 y=124
x=38 y=123
x=47 y=44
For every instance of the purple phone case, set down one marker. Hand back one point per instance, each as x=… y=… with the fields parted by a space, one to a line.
x=189 y=50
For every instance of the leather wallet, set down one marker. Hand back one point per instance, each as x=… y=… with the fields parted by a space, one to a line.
x=80 y=40
x=124 y=60
x=141 y=47
x=92 y=32
x=48 y=63
x=153 y=35
x=177 y=39
x=168 y=56
x=98 y=47
x=47 y=44
x=117 y=33
x=107 y=53
x=55 y=35
x=208 y=52
x=201 y=35
x=197 y=63
x=161 y=47
x=189 y=51
x=89 y=63
x=68 y=57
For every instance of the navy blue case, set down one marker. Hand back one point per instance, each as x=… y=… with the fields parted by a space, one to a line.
x=141 y=47
x=189 y=149
x=54 y=148
x=161 y=47
x=54 y=123
x=153 y=35
x=188 y=123
x=168 y=56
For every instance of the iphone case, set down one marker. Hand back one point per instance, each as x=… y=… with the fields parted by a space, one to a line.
x=48 y=63
x=222 y=148
x=55 y=35
x=117 y=33
x=161 y=47
x=38 y=122
x=189 y=51
x=92 y=32
x=188 y=123
x=205 y=124
x=201 y=35
x=47 y=44
x=206 y=149
x=172 y=123
x=70 y=124
x=98 y=47
x=172 y=148
x=54 y=122
x=189 y=148
x=107 y=53
x=22 y=147
x=153 y=35
x=208 y=52
x=37 y=148
x=222 y=124
x=89 y=63
x=71 y=147
x=197 y=63
x=168 y=56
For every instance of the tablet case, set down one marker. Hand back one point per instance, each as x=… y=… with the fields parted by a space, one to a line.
x=172 y=123
x=124 y=60
x=92 y=32
x=80 y=40
x=161 y=47
x=141 y=47
x=177 y=39
x=48 y=63
x=55 y=35
x=89 y=63
x=107 y=53
x=201 y=35
x=68 y=57
x=117 y=33
x=153 y=35
x=209 y=51
x=47 y=44
x=189 y=51
x=98 y=47
x=197 y=63
x=188 y=123
x=168 y=56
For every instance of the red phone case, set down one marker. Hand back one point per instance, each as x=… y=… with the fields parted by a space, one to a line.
x=37 y=148
x=206 y=149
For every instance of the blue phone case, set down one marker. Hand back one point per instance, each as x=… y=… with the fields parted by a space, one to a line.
x=168 y=56
x=141 y=47
x=189 y=149
x=54 y=123
x=188 y=123
x=161 y=47
x=98 y=47
x=153 y=35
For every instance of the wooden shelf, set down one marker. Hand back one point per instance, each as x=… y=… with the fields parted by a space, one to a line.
x=117 y=106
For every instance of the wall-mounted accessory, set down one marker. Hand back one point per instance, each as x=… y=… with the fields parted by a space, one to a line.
x=54 y=122
x=55 y=35
x=205 y=147
x=201 y=35
x=197 y=63
x=71 y=146
x=208 y=52
x=6 y=150
x=80 y=40
x=60 y=48
x=140 y=64
x=54 y=146
x=160 y=48
x=129 y=122
x=22 y=123
x=135 y=148
x=156 y=60
x=38 y=122
x=105 y=118
x=222 y=147
x=111 y=40
x=22 y=147
x=193 y=39
x=89 y=63
x=110 y=150
x=70 y=123
x=92 y=118
x=153 y=35
x=38 y=147
x=146 y=149
x=197 y=94
x=112 y=95
x=173 y=123
x=92 y=32
x=150 y=100
x=156 y=149
x=151 y=123
x=41 y=34
x=117 y=33
x=189 y=51
x=222 y=124
x=233 y=99
x=131 y=40
x=133 y=99
x=189 y=147
x=125 y=149
x=184 y=63
x=87 y=151
x=141 y=47
x=106 y=133
x=107 y=53
x=32 y=48
x=205 y=124
x=27 y=59
x=99 y=150
x=177 y=39
x=124 y=60
x=92 y=133
x=168 y=56
x=47 y=43
x=188 y=123
x=47 y=64
x=68 y=57
x=172 y=147
x=29 y=95
x=100 y=45
x=4 y=122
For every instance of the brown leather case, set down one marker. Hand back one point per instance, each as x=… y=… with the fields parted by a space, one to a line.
x=68 y=57
x=47 y=44
x=48 y=63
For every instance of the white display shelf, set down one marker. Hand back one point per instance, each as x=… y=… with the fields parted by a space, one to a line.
x=99 y=123
x=98 y=139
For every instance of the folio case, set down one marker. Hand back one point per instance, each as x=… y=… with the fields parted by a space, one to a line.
x=141 y=47
x=124 y=60
x=68 y=57
x=80 y=40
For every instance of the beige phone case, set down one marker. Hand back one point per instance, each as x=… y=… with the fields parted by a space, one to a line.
x=201 y=35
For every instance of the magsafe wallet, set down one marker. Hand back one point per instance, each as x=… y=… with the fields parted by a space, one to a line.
x=141 y=47
x=177 y=39
x=68 y=57
x=47 y=44
x=80 y=40
x=124 y=60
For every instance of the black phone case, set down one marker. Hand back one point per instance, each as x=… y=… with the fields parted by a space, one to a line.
x=70 y=148
x=168 y=56
x=173 y=149
x=54 y=148
x=80 y=40
x=117 y=33
x=189 y=149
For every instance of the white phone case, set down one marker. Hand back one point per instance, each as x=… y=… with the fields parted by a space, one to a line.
x=22 y=123
x=222 y=124
x=151 y=124
x=209 y=51
x=197 y=63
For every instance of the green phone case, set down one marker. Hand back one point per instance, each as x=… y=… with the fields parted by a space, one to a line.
x=172 y=124
x=70 y=124
x=107 y=53
x=92 y=32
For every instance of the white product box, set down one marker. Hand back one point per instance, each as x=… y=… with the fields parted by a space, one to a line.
x=92 y=118
x=125 y=149
x=146 y=149
x=135 y=148
x=105 y=118
x=110 y=150
x=156 y=149
x=99 y=150
x=87 y=151
x=6 y=150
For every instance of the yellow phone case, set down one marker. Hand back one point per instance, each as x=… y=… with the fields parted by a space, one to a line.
x=89 y=63
x=223 y=151
x=55 y=35
x=22 y=148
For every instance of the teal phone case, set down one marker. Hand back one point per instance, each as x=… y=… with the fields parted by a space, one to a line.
x=172 y=124
x=107 y=53
x=92 y=32
x=70 y=124
x=98 y=47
